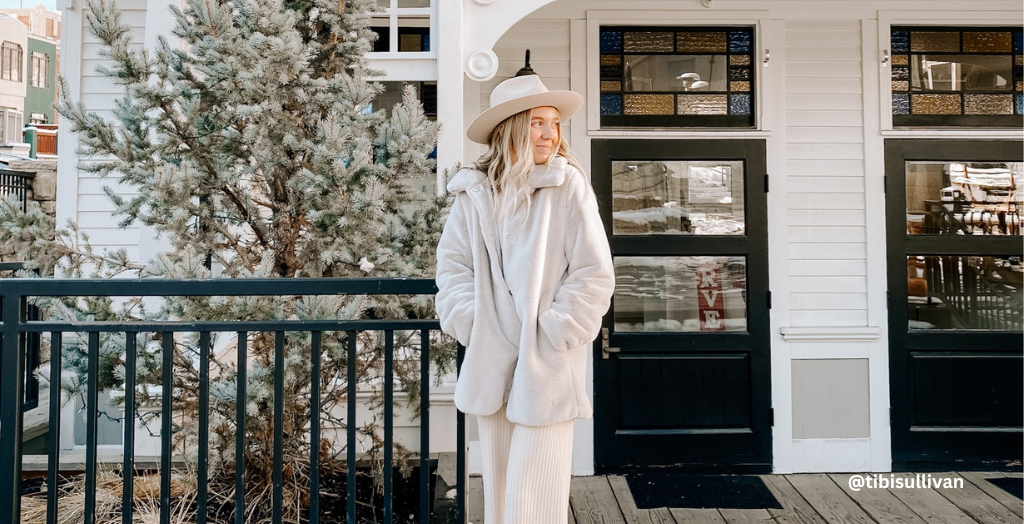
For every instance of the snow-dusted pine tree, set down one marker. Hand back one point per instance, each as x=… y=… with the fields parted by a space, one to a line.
x=250 y=145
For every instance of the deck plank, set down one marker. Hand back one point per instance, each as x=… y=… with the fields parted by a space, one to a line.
x=976 y=503
x=795 y=510
x=978 y=478
x=660 y=516
x=827 y=499
x=628 y=506
x=746 y=516
x=696 y=516
x=593 y=502
x=475 y=499
x=879 y=503
x=930 y=505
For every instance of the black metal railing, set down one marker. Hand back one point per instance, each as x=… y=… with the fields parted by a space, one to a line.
x=17 y=327
x=16 y=183
x=33 y=343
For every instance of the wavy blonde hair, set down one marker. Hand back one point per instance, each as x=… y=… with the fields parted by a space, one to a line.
x=509 y=160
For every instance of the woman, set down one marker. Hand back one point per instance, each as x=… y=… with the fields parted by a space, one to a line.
x=524 y=276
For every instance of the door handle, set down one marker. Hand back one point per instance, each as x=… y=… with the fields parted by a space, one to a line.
x=605 y=349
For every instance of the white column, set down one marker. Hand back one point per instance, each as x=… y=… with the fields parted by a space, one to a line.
x=159 y=22
x=71 y=72
x=450 y=82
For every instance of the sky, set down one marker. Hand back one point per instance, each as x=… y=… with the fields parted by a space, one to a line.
x=17 y=4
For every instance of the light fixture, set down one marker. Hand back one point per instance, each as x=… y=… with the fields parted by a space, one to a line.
x=692 y=81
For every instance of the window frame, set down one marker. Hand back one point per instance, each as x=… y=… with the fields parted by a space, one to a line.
x=40 y=70
x=901 y=244
x=12 y=64
x=393 y=13
x=686 y=121
x=689 y=20
x=956 y=19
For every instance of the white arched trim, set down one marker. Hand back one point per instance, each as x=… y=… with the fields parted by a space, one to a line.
x=485 y=22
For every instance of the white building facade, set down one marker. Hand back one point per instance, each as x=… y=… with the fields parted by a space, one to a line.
x=813 y=208
x=13 y=77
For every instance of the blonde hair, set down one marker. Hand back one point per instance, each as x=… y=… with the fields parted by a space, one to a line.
x=509 y=160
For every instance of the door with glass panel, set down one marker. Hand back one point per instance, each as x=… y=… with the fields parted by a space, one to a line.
x=682 y=378
x=955 y=315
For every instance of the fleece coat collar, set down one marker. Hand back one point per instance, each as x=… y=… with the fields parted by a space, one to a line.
x=526 y=304
x=551 y=174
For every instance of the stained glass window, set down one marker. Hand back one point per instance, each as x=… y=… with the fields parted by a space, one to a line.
x=944 y=76
x=677 y=76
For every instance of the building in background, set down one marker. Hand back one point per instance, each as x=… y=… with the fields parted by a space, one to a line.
x=814 y=209
x=40 y=54
x=13 y=79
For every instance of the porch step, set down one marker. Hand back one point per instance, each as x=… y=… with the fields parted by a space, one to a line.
x=74 y=462
x=36 y=421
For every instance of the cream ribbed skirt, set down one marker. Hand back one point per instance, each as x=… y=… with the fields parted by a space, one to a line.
x=526 y=470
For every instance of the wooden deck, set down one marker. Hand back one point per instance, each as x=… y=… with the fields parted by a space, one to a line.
x=806 y=499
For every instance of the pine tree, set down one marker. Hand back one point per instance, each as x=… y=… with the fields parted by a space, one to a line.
x=251 y=145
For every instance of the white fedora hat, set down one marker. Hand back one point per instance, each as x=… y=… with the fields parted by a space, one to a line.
x=517 y=94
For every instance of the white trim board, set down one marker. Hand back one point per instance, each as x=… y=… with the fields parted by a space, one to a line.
x=831 y=456
x=831 y=334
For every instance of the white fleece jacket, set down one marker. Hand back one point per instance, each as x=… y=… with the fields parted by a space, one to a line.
x=527 y=305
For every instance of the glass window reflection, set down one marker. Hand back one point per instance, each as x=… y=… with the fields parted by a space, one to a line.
x=645 y=73
x=964 y=292
x=680 y=294
x=677 y=198
x=961 y=73
x=964 y=198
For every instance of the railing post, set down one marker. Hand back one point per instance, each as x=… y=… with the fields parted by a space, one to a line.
x=11 y=394
x=461 y=515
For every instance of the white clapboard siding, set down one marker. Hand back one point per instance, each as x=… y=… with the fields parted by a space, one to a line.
x=799 y=234
x=825 y=169
x=548 y=42
x=95 y=215
x=812 y=268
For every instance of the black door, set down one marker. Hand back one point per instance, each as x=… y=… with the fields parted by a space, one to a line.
x=955 y=317
x=686 y=381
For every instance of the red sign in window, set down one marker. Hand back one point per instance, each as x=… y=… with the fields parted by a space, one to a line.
x=709 y=298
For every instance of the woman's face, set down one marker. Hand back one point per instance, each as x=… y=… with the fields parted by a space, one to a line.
x=544 y=129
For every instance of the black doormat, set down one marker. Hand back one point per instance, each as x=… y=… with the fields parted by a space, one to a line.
x=1012 y=486
x=678 y=490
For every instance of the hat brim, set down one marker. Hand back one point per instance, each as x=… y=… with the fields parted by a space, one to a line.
x=566 y=102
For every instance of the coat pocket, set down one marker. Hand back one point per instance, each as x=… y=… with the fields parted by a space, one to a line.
x=563 y=333
x=486 y=376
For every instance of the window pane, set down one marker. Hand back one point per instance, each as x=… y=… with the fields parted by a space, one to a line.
x=703 y=105
x=925 y=41
x=956 y=76
x=960 y=73
x=649 y=105
x=647 y=42
x=647 y=73
x=702 y=42
x=708 y=69
x=988 y=41
x=964 y=292
x=680 y=294
x=677 y=198
x=964 y=198
x=413 y=33
x=392 y=95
